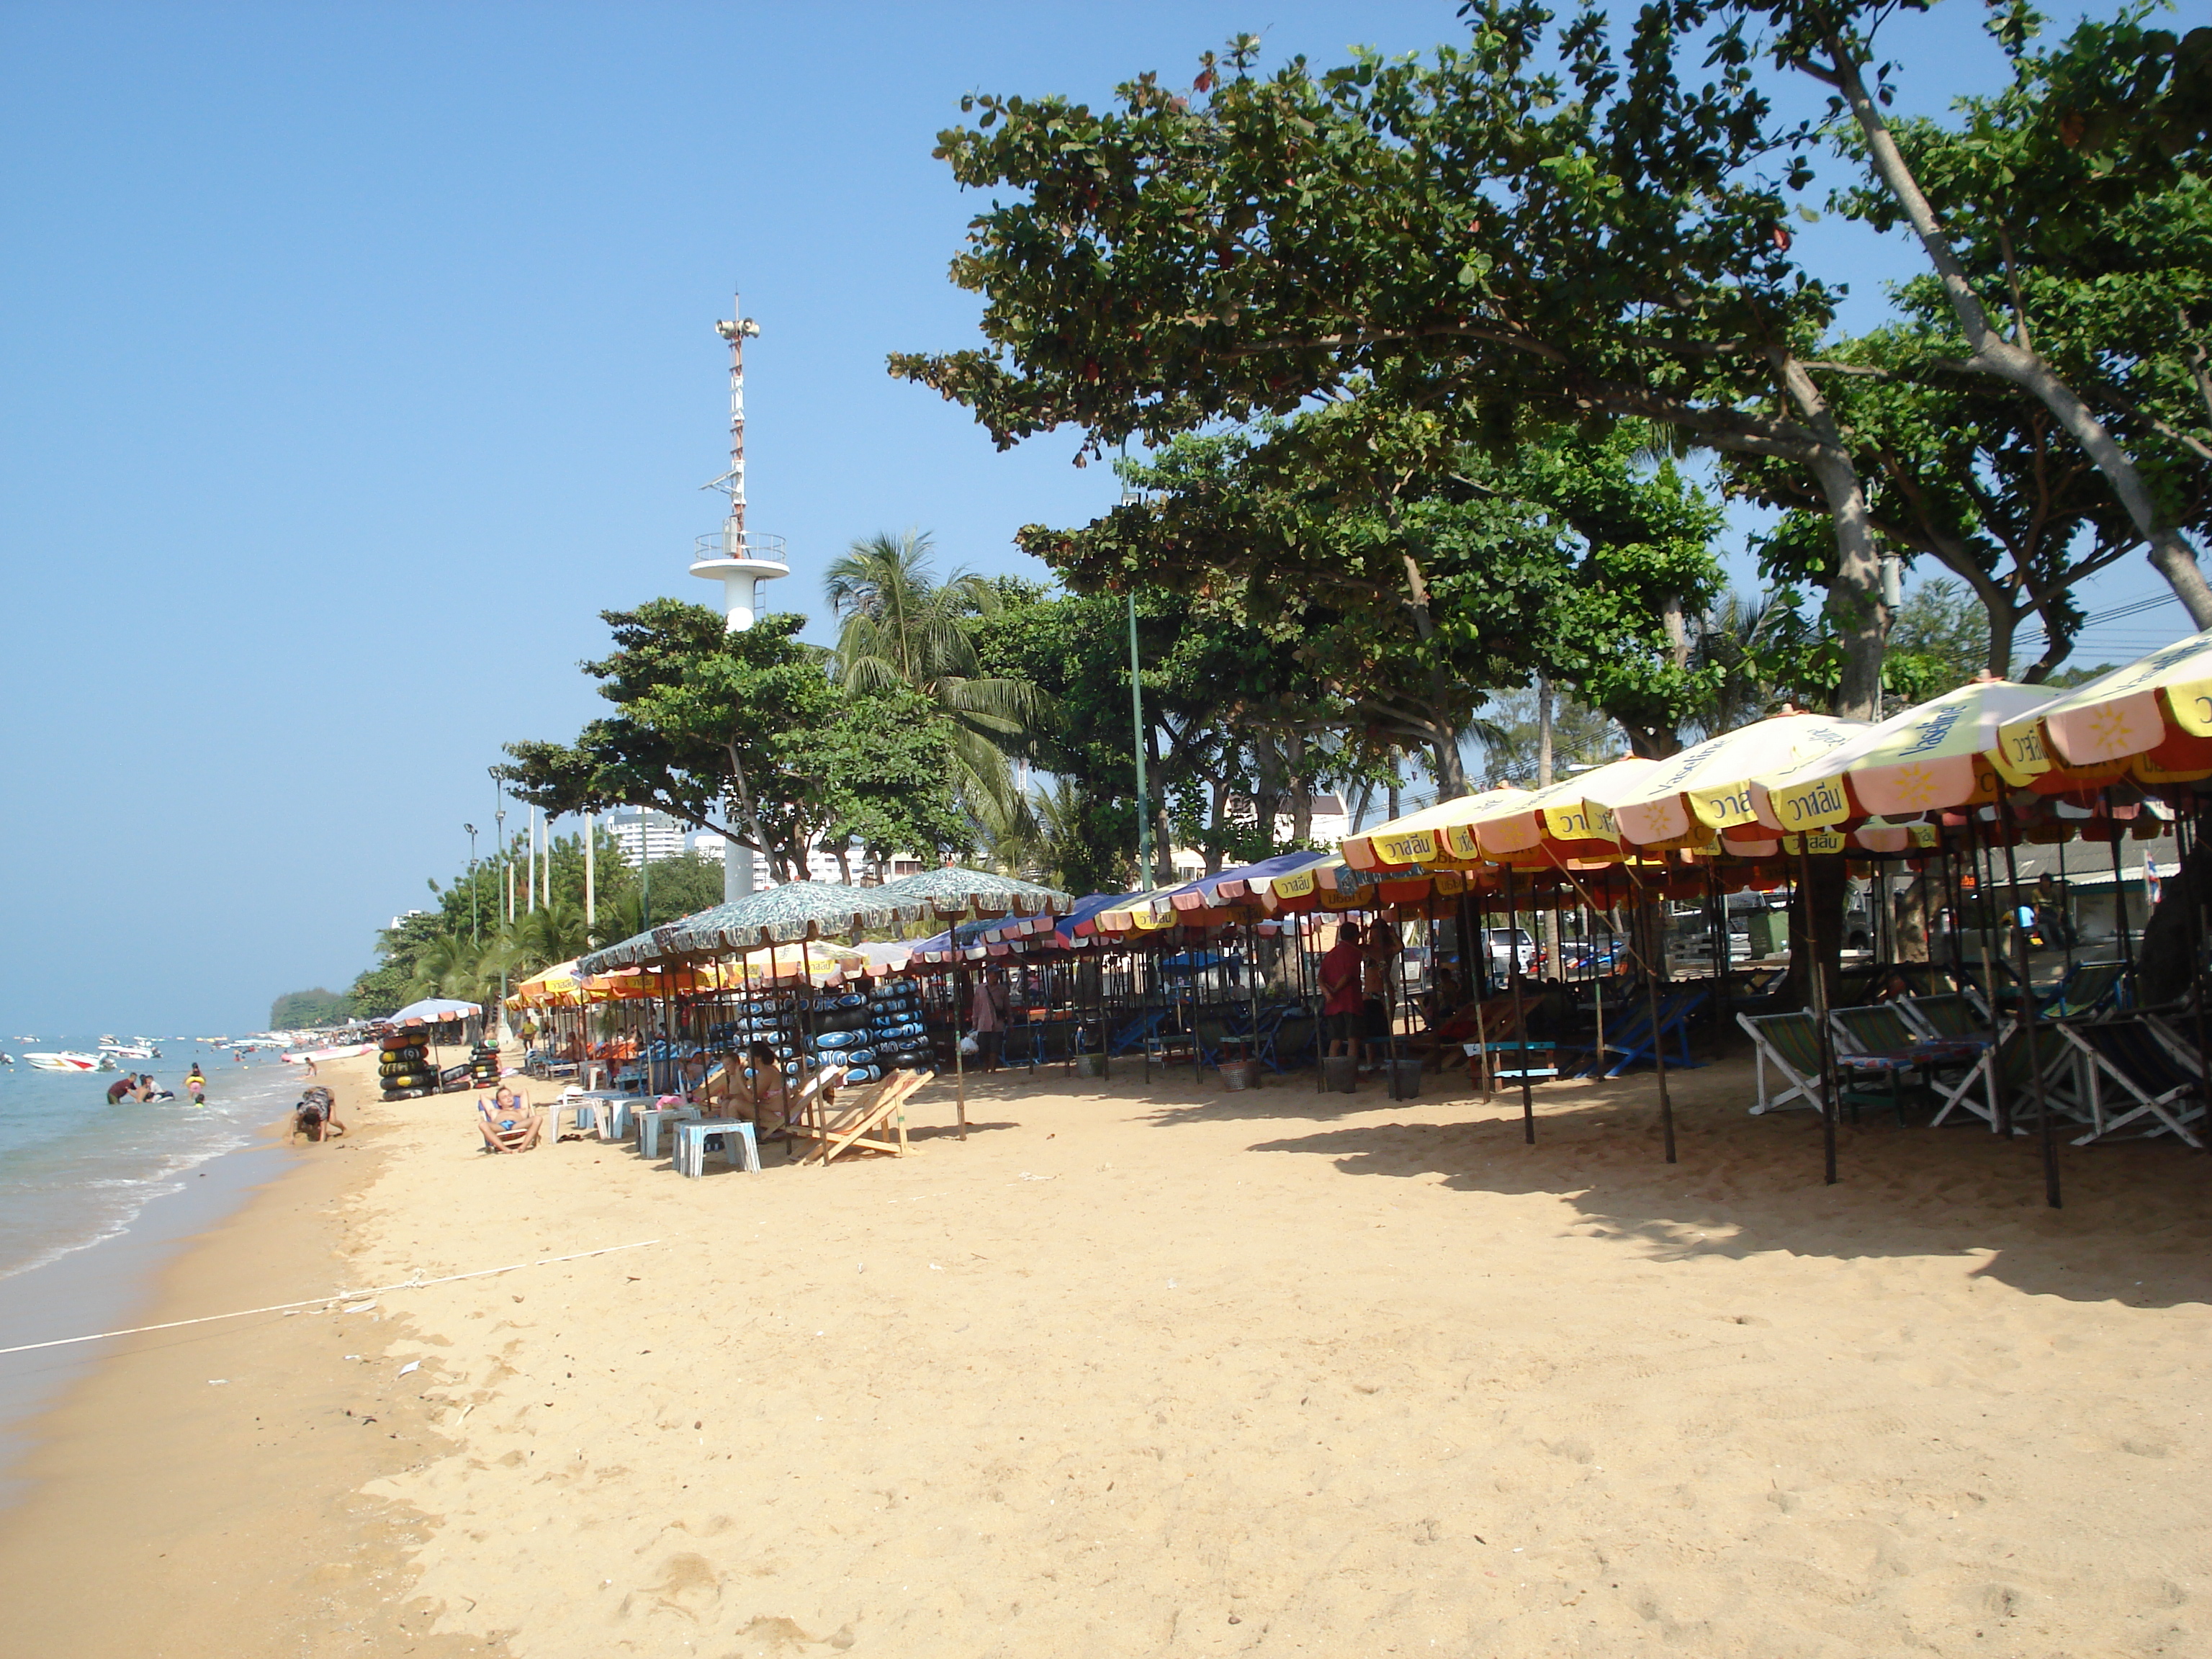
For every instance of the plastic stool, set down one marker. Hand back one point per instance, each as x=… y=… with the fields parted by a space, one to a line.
x=739 y=1145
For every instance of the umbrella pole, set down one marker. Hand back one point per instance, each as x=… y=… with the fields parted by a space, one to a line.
x=2193 y=823
x=1482 y=995
x=2120 y=901
x=1984 y=873
x=1658 y=1044
x=959 y=1068
x=1817 y=982
x=2028 y=1015
x=1520 y=1020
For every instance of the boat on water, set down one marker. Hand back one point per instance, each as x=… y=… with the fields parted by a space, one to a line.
x=68 y=1059
x=340 y=1051
x=137 y=1049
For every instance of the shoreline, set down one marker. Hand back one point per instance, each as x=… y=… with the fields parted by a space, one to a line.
x=218 y=1469
x=1169 y=1370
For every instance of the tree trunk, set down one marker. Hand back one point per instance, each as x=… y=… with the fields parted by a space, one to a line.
x=1908 y=919
x=1816 y=932
x=1855 y=607
x=1294 y=752
x=2016 y=360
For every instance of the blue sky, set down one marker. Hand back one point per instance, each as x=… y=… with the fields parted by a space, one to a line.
x=357 y=356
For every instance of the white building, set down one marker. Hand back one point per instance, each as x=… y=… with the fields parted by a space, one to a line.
x=821 y=865
x=1330 y=823
x=639 y=831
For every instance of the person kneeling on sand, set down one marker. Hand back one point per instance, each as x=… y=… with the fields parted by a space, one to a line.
x=316 y=1117
x=509 y=1123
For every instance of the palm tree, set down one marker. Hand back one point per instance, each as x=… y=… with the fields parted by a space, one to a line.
x=900 y=627
x=553 y=933
x=453 y=965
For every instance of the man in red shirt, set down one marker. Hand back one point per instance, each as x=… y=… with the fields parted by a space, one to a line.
x=1342 y=1002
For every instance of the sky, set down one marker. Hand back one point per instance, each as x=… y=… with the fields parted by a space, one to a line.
x=354 y=357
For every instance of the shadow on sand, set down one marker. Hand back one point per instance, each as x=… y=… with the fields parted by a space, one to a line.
x=2137 y=1228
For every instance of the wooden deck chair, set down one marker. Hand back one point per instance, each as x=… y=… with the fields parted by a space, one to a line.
x=872 y=1122
x=1792 y=1043
x=2008 y=1061
x=2137 y=1069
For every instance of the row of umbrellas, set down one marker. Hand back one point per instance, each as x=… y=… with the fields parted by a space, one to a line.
x=2018 y=761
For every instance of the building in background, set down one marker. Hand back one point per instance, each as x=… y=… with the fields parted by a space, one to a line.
x=639 y=831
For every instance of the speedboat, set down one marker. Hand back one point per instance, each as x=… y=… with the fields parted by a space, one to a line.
x=138 y=1049
x=69 y=1060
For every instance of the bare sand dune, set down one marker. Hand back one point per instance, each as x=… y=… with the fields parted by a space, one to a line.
x=1167 y=1371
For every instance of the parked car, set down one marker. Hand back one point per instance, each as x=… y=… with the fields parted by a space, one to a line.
x=1504 y=945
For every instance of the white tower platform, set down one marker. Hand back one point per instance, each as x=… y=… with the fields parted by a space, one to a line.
x=740 y=562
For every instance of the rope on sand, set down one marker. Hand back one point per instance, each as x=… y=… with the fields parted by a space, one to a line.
x=325 y=1301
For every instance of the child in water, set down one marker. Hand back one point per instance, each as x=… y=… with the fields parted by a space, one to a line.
x=195 y=1085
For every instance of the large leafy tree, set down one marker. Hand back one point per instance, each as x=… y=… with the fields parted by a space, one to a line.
x=2065 y=223
x=1536 y=226
x=746 y=733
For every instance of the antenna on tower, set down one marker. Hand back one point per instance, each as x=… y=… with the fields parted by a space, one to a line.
x=733 y=555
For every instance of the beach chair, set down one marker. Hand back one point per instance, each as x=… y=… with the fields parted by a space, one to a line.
x=2093 y=988
x=1879 y=1030
x=1638 y=1039
x=2136 y=1070
x=1137 y=1032
x=2006 y=1061
x=1209 y=1037
x=1946 y=1014
x=1289 y=1041
x=1791 y=1044
x=872 y=1122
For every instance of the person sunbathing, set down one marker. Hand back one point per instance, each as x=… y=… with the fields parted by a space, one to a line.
x=762 y=1094
x=509 y=1123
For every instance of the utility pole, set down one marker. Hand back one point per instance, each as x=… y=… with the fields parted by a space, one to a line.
x=1131 y=498
x=1544 y=782
x=591 y=873
x=475 y=932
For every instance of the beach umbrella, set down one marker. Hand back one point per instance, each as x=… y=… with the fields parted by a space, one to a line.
x=1436 y=834
x=435 y=1011
x=1564 y=820
x=1934 y=757
x=1687 y=800
x=954 y=892
x=548 y=987
x=785 y=915
x=2152 y=719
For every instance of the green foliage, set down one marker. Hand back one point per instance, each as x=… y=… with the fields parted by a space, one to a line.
x=384 y=988
x=297 y=1010
x=902 y=630
x=1942 y=636
x=747 y=734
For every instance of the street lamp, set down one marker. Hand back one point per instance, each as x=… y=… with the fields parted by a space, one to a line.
x=475 y=932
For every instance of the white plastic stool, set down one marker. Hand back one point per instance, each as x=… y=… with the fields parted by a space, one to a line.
x=649 y=1121
x=739 y=1145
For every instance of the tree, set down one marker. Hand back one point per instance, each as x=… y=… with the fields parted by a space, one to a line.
x=296 y=1009
x=902 y=628
x=1479 y=234
x=2045 y=192
x=746 y=734
x=383 y=989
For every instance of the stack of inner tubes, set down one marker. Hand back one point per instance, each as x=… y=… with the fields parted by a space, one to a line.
x=838 y=1034
x=483 y=1065
x=403 y=1065
x=894 y=1026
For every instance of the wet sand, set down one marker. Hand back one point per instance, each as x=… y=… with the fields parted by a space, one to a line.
x=1165 y=1371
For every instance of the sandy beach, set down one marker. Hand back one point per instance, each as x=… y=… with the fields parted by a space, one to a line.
x=1164 y=1369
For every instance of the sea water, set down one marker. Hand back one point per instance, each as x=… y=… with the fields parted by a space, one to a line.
x=75 y=1170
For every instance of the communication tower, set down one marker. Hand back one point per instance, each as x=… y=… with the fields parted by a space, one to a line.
x=738 y=559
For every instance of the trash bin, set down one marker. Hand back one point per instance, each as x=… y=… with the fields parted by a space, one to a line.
x=1406 y=1079
x=1339 y=1074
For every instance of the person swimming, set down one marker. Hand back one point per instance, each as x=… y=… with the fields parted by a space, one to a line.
x=195 y=1085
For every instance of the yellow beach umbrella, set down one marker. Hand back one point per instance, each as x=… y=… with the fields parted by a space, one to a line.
x=1931 y=757
x=549 y=986
x=1686 y=800
x=1427 y=836
x=2153 y=717
x=1562 y=820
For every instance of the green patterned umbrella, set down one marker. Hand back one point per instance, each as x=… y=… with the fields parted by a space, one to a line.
x=796 y=911
x=788 y=914
x=954 y=892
